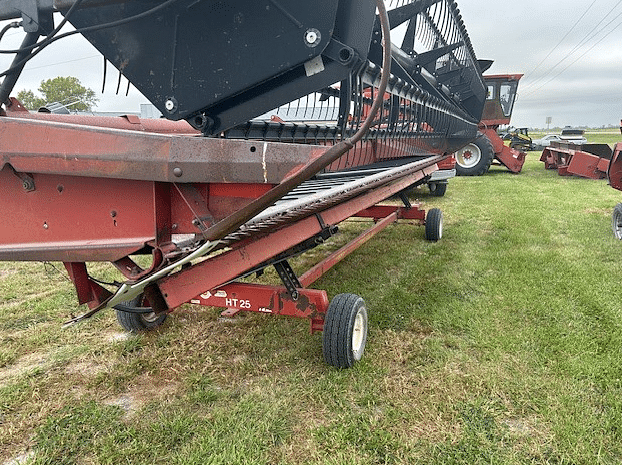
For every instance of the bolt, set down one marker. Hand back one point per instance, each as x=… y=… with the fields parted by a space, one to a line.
x=170 y=105
x=312 y=37
x=45 y=226
x=178 y=172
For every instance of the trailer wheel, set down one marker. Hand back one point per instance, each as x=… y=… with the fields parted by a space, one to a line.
x=133 y=320
x=616 y=221
x=437 y=189
x=345 y=331
x=434 y=225
x=475 y=159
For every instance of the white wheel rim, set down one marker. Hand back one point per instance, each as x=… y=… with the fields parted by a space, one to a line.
x=617 y=224
x=440 y=228
x=358 y=333
x=468 y=156
x=150 y=317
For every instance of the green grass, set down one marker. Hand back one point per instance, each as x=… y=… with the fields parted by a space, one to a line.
x=500 y=344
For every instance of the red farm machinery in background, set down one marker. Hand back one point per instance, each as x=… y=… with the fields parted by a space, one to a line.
x=571 y=155
x=614 y=174
x=584 y=160
x=276 y=135
x=476 y=158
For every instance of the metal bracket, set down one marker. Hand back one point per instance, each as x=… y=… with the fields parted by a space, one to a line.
x=342 y=53
x=197 y=205
x=35 y=14
x=404 y=199
x=28 y=182
x=288 y=277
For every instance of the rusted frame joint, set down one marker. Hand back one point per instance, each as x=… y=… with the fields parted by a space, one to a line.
x=203 y=218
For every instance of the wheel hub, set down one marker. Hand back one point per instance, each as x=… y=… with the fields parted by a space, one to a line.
x=358 y=333
x=469 y=156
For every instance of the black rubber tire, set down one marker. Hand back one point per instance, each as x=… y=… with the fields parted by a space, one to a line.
x=434 y=225
x=137 y=322
x=475 y=159
x=616 y=221
x=438 y=189
x=345 y=331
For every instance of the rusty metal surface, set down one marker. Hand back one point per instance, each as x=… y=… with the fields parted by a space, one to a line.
x=60 y=148
x=126 y=122
x=587 y=160
x=80 y=218
x=614 y=172
x=70 y=218
x=586 y=165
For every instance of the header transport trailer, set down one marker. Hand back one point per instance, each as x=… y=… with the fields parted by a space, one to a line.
x=286 y=118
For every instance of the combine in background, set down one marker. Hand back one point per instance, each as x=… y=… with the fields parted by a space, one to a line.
x=475 y=158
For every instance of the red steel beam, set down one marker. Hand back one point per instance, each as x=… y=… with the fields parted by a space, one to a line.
x=403 y=213
x=311 y=303
x=318 y=270
x=88 y=291
x=389 y=215
x=32 y=146
x=126 y=122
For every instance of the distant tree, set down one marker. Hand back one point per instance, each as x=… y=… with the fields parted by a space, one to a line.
x=29 y=100
x=66 y=90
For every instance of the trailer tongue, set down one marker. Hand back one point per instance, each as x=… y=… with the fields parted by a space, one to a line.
x=293 y=127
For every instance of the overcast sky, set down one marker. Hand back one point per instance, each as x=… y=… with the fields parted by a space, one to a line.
x=570 y=52
x=572 y=61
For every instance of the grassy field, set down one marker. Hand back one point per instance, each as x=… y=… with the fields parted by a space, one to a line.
x=500 y=344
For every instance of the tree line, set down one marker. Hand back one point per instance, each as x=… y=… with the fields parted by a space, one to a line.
x=68 y=91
